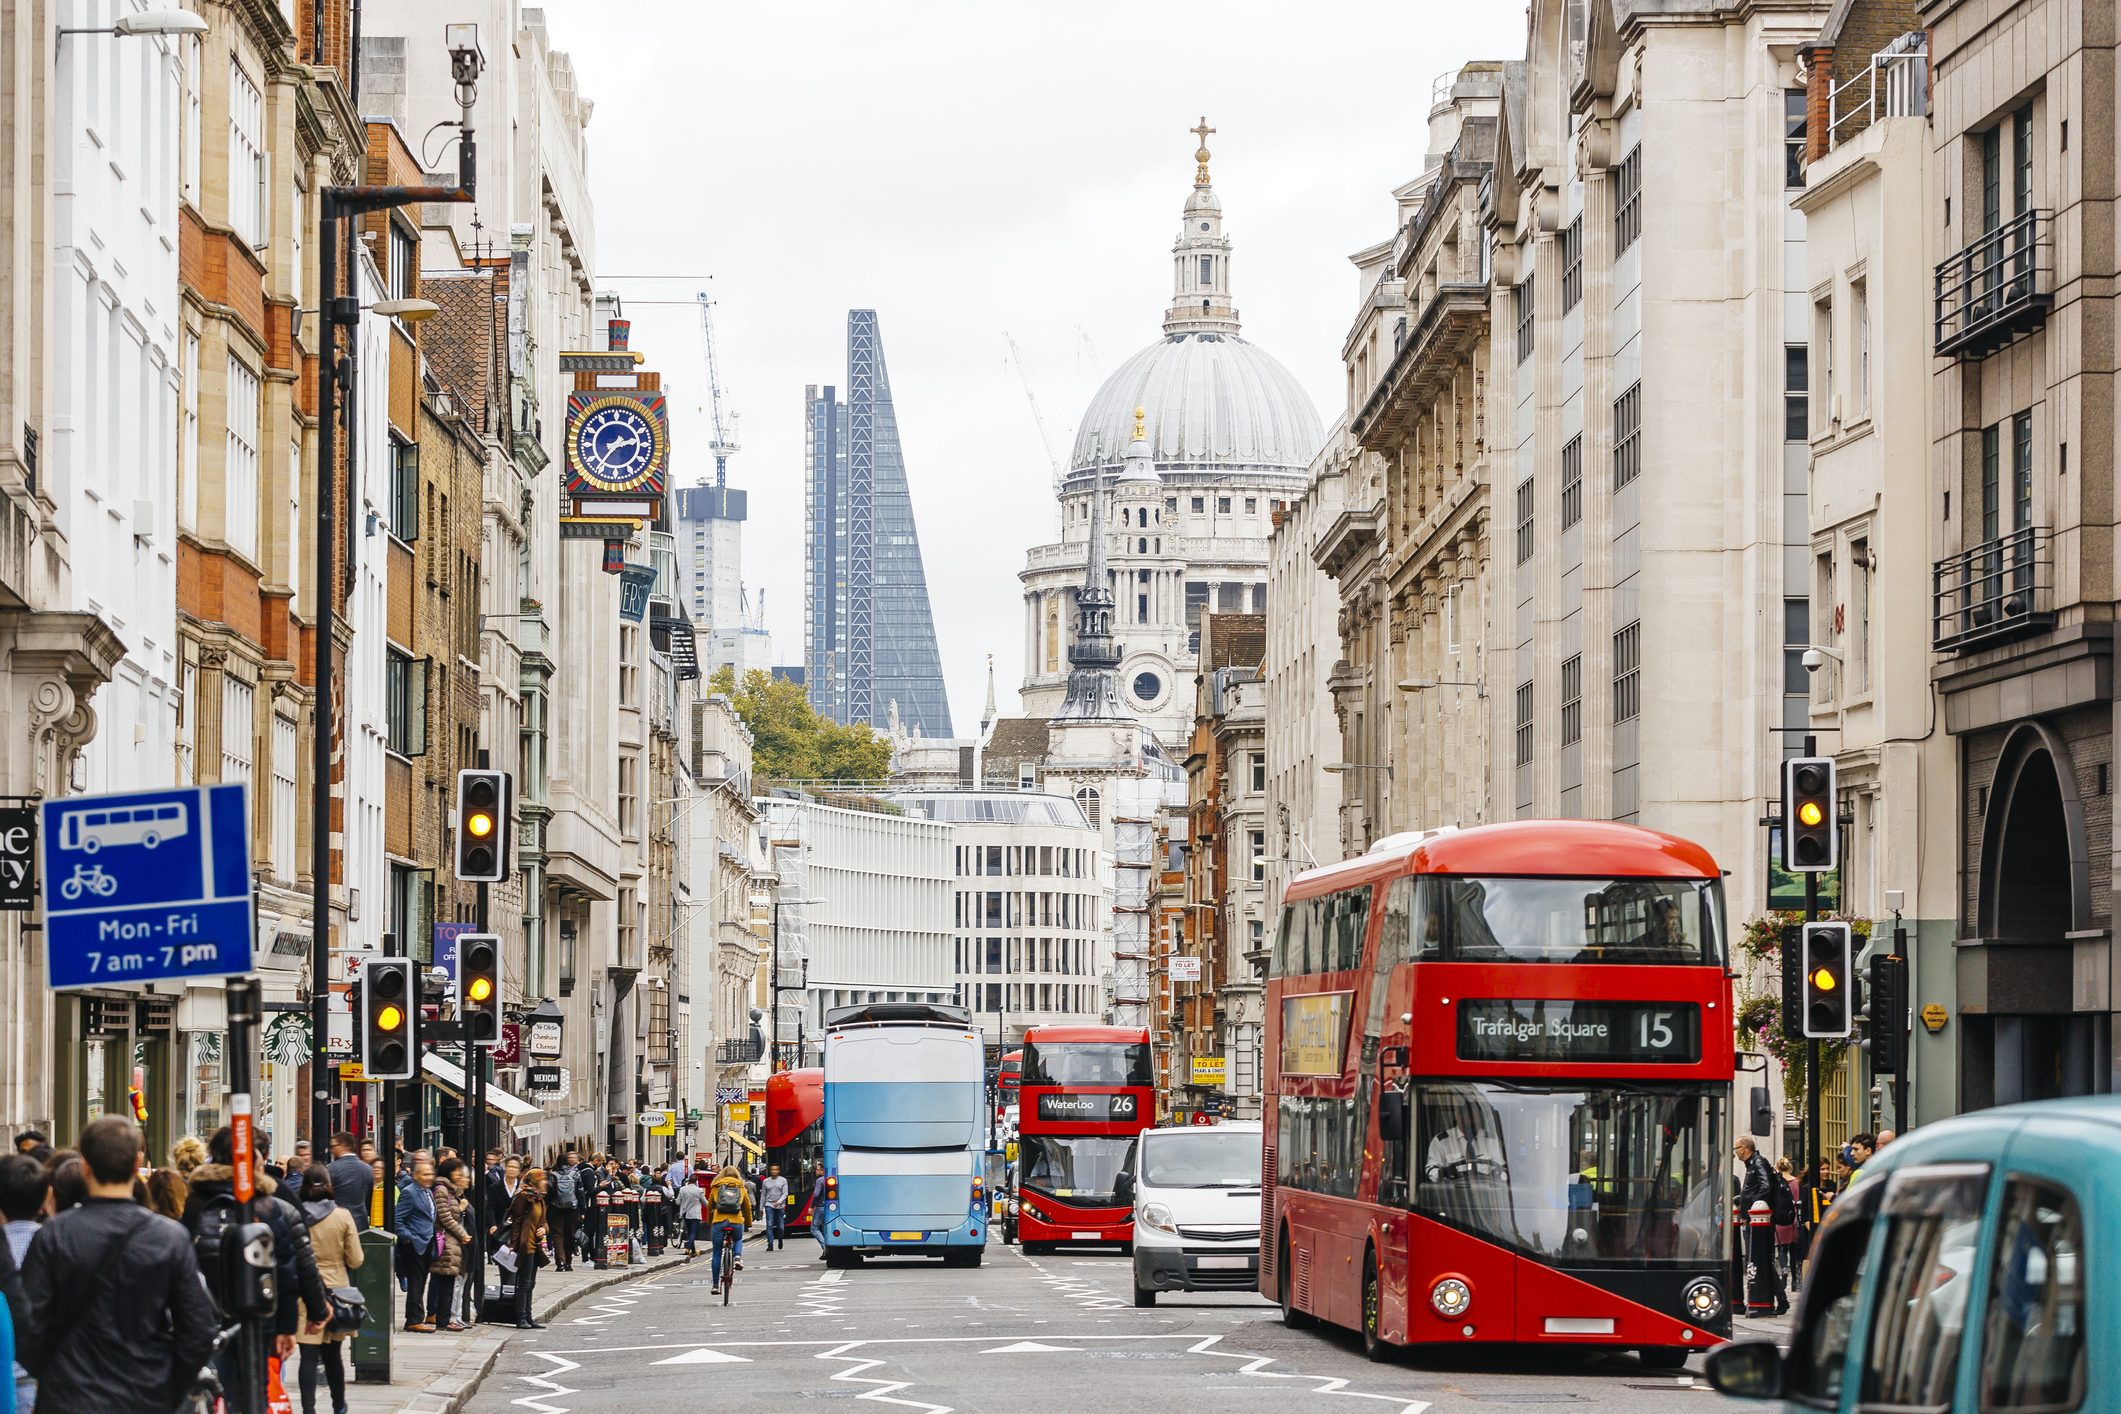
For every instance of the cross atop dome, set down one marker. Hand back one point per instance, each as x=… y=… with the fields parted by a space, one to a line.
x=1200 y=177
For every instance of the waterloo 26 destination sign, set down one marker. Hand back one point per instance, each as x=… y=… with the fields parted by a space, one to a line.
x=618 y=444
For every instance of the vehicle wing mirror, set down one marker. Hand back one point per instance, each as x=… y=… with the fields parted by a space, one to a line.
x=1748 y=1370
x=1392 y=1116
x=1763 y=1113
x=1123 y=1186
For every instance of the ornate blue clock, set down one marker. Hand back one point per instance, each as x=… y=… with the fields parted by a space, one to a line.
x=617 y=445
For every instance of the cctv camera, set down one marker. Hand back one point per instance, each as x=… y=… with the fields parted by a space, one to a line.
x=1812 y=659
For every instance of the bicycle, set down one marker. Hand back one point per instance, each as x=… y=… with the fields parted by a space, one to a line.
x=728 y=1253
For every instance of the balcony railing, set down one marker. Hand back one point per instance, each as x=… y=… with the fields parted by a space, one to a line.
x=1996 y=591
x=1998 y=288
x=742 y=1052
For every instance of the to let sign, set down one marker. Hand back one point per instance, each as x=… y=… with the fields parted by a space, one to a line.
x=146 y=886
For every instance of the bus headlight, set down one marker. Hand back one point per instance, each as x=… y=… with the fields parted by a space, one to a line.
x=1158 y=1216
x=1703 y=1300
x=1451 y=1298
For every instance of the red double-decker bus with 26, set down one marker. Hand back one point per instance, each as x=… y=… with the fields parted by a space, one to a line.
x=1500 y=1065
x=1085 y=1093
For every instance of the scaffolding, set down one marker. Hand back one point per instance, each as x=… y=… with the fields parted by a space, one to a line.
x=1134 y=805
x=788 y=837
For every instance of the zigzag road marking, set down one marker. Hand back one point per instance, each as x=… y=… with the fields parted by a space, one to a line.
x=1327 y=1384
x=884 y=1388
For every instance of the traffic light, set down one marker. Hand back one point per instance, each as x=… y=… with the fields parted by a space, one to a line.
x=479 y=986
x=1888 y=1009
x=1829 y=981
x=1811 y=842
x=390 y=1048
x=482 y=827
x=1793 y=982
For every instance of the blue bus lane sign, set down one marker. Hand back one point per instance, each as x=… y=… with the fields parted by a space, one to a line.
x=146 y=886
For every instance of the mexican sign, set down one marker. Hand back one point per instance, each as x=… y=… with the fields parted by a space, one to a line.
x=147 y=886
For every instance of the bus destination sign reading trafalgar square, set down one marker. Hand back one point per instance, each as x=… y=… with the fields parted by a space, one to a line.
x=1513 y=1029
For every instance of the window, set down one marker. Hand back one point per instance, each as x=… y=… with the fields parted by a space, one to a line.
x=1796 y=393
x=1572 y=482
x=2022 y=470
x=1171 y=504
x=283 y=797
x=1525 y=502
x=1522 y=294
x=405 y=703
x=1823 y=321
x=1207 y=271
x=2032 y=1340
x=240 y=480
x=404 y=490
x=1627 y=672
x=629 y=666
x=1259 y=771
x=404 y=263
x=1258 y=839
x=1222 y=505
x=1572 y=264
x=1524 y=724
x=188 y=725
x=1860 y=616
x=238 y=726
x=629 y=794
x=1860 y=311
x=1793 y=127
x=1251 y=505
x=1572 y=701
x=1627 y=200
x=192 y=99
x=1991 y=490
x=1933 y=1216
x=1796 y=636
x=629 y=929
x=246 y=156
x=1627 y=436
x=188 y=492
x=1826 y=595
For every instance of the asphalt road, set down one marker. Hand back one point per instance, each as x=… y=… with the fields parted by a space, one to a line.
x=1055 y=1334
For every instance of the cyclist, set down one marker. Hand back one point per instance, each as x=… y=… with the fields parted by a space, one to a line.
x=728 y=1213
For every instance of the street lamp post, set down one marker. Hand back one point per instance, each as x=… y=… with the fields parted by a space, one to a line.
x=336 y=204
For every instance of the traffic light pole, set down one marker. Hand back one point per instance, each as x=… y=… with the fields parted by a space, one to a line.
x=474 y=1130
x=1899 y=1023
x=1811 y=1048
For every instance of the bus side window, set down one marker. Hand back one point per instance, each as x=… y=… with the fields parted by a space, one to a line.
x=1352 y=922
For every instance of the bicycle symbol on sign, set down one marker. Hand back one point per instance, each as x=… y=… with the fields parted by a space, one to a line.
x=90 y=876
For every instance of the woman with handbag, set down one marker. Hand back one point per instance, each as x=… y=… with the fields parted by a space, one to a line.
x=338 y=1251
x=526 y=1234
x=451 y=1235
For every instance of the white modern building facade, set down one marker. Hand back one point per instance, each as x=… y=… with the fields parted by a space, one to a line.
x=1228 y=434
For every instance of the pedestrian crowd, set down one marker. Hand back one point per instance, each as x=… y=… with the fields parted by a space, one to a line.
x=1772 y=1256
x=111 y=1277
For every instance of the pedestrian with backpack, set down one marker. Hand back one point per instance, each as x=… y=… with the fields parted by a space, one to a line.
x=338 y=1249
x=118 y=1321
x=729 y=1209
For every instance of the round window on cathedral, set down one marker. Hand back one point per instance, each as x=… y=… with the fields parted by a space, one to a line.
x=1147 y=686
x=1204 y=225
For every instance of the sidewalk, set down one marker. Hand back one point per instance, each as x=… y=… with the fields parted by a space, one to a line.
x=1775 y=1328
x=435 y=1374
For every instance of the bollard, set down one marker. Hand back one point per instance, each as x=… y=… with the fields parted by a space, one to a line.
x=652 y=1223
x=1759 y=1249
x=600 y=1247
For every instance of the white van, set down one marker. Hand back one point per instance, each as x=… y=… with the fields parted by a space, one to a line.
x=1196 y=1209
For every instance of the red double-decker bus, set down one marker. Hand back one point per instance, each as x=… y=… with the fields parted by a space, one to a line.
x=1085 y=1092
x=795 y=1136
x=1500 y=1060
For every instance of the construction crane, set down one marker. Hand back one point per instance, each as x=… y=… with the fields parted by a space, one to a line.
x=724 y=441
x=1016 y=355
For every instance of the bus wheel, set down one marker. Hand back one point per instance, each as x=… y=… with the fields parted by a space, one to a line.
x=1664 y=1357
x=1373 y=1341
x=1291 y=1317
x=1037 y=1249
x=840 y=1257
x=962 y=1257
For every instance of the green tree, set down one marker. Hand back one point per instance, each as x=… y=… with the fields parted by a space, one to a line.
x=790 y=741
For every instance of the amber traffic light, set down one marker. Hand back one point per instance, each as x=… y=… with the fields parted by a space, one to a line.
x=1829 y=969
x=482 y=827
x=479 y=986
x=1810 y=843
x=389 y=1042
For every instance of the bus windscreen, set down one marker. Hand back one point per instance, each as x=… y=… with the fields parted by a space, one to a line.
x=1079 y=1167
x=1642 y=921
x=1086 y=1063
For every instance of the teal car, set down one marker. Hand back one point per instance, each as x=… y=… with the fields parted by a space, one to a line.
x=1955 y=1274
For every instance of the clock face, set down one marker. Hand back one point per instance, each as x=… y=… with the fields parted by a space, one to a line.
x=616 y=445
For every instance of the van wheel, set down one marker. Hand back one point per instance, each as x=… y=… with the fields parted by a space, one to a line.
x=1664 y=1357
x=1294 y=1319
x=1144 y=1296
x=1373 y=1341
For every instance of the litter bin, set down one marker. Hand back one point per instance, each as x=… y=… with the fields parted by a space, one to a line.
x=376 y=1279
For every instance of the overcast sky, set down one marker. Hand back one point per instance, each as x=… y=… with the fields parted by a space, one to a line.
x=968 y=170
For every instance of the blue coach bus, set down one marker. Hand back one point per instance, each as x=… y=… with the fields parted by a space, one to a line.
x=905 y=1099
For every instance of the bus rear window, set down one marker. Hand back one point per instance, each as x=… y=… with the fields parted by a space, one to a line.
x=1641 y=921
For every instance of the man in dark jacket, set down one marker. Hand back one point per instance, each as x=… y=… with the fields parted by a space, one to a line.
x=1763 y=1279
x=213 y=1199
x=562 y=1205
x=352 y=1179
x=118 y=1318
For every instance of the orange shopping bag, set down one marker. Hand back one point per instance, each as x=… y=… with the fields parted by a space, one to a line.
x=276 y=1400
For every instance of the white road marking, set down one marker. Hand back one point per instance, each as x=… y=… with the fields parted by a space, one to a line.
x=1027 y=1347
x=704 y=1356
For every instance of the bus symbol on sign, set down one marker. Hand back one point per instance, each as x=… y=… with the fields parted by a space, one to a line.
x=149 y=825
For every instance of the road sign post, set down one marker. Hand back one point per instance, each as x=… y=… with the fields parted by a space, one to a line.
x=147 y=886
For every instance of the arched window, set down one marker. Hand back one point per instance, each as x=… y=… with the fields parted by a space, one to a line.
x=1087 y=799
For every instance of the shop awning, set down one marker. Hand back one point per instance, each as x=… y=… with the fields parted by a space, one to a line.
x=757 y=1151
x=522 y=1116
